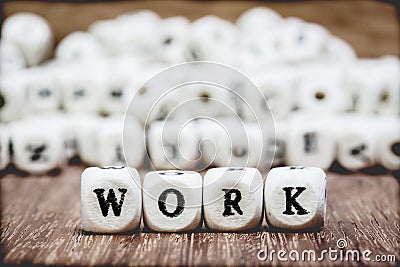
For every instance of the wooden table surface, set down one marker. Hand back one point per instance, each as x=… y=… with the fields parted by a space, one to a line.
x=41 y=215
x=41 y=225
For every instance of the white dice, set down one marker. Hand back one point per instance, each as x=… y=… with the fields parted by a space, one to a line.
x=356 y=142
x=172 y=200
x=295 y=198
x=79 y=46
x=232 y=198
x=31 y=34
x=388 y=143
x=206 y=34
x=173 y=144
x=309 y=142
x=229 y=142
x=81 y=88
x=11 y=58
x=12 y=96
x=43 y=92
x=4 y=147
x=111 y=199
x=320 y=90
x=120 y=142
x=38 y=146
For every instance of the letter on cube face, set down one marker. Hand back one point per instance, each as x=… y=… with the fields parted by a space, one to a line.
x=232 y=198
x=172 y=200
x=309 y=144
x=38 y=147
x=295 y=198
x=111 y=199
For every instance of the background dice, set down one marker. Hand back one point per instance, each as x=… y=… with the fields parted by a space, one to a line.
x=232 y=198
x=172 y=200
x=111 y=199
x=295 y=198
x=120 y=143
x=173 y=144
x=4 y=147
x=38 y=145
x=310 y=142
x=31 y=34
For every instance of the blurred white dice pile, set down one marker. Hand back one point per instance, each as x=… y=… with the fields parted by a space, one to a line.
x=328 y=104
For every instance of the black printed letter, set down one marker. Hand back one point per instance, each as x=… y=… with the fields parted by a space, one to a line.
x=111 y=199
x=291 y=201
x=229 y=203
x=162 y=206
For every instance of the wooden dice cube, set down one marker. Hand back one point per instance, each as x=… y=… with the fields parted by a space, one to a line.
x=232 y=198
x=173 y=145
x=120 y=142
x=295 y=198
x=172 y=200
x=31 y=33
x=4 y=147
x=309 y=142
x=38 y=145
x=111 y=199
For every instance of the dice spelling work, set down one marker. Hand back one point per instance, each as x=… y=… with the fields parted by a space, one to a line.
x=228 y=198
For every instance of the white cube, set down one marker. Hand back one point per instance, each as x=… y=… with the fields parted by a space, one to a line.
x=356 y=142
x=38 y=145
x=12 y=96
x=172 y=200
x=232 y=198
x=277 y=88
x=321 y=89
x=81 y=88
x=4 y=147
x=120 y=142
x=295 y=198
x=206 y=34
x=43 y=90
x=388 y=142
x=173 y=39
x=31 y=33
x=229 y=142
x=309 y=142
x=111 y=199
x=79 y=46
x=173 y=144
x=301 y=41
x=84 y=130
x=11 y=57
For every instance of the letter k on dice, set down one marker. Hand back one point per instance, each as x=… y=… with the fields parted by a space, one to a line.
x=295 y=198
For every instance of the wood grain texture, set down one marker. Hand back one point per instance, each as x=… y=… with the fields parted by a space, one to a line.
x=41 y=215
x=41 y=225
x=371 y=27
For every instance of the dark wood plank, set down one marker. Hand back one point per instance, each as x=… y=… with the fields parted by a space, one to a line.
x=372 y=27
x=41 y=224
